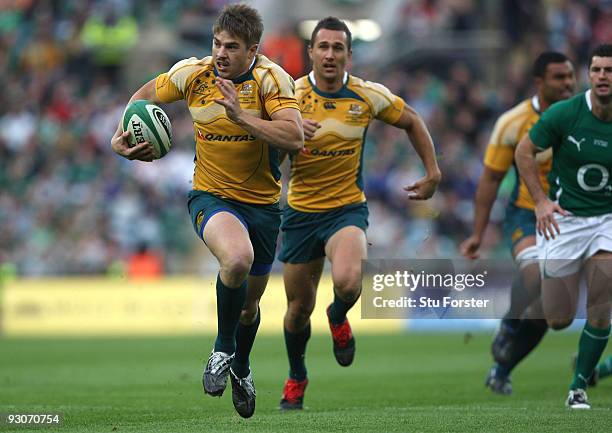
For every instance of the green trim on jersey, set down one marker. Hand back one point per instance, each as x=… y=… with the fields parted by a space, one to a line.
x=344 y=91
x=274 y=161
x=359 y=177
x=582 y=156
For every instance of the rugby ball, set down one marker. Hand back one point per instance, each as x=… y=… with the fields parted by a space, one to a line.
x=147 y=122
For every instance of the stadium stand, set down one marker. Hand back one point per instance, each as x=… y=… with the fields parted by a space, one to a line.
x=68 y=205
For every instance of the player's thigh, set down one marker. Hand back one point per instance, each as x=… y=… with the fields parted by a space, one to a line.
x=560 y=299
x=598 y=270
x=519 y=230
x=222 y=228
x=525 y=253
x=524 y=246
x=346 y=249
x=228 y=239
x=301 y=282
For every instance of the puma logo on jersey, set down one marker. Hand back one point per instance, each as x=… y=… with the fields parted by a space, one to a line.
x=576 y=142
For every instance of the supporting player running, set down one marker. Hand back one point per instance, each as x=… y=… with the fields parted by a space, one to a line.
x=327 y=213
x=243 y=108
x=574 y=223
x=554 y=79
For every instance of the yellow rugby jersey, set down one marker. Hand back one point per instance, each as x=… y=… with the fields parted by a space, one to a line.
x=229 y=162
x=509 y=130
x=327 y=173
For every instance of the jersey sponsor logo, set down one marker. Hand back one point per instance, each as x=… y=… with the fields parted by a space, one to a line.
x=600 y=143
x=329 y=153
x=221 y=137
x=603 y=183
x=329 y=105
x=576 y=142
x=355 y=109
x=247 y=89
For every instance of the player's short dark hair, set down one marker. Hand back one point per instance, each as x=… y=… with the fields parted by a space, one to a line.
x=241 y=21
x=545 y=59
x=603 y=50
x=332 y=23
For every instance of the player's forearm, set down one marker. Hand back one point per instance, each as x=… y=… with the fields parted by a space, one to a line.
x=528 y=169
x=284 y=134
x=424 y=147
x=486 y=193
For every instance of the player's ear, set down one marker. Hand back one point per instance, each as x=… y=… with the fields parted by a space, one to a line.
x=253 y=50
x=310 y=52
x=538 y=81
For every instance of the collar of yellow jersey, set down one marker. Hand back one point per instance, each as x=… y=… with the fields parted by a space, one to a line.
x=343 y=92
x=311 y=76
x=535 y=104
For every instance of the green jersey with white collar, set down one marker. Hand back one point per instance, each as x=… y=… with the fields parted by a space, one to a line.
x=582 y=156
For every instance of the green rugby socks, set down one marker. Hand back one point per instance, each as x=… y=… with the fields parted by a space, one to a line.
x=590 y=347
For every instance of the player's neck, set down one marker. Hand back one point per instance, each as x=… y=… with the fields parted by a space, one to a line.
x=248 y=68
x=602 y=109
x=543 y=104
x=329 y=86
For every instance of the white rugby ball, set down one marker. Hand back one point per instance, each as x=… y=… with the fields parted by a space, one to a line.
x=147 y=122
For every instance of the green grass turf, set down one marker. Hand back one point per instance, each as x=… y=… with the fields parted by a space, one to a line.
x=401 y=383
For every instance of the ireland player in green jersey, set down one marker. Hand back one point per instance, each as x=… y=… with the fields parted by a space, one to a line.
x=574 y=222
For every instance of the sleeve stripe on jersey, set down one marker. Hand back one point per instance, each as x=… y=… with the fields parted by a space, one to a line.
x=366 y=89
x=270 y=73
x=170 y=75
x=162 y=80
x=509 y=123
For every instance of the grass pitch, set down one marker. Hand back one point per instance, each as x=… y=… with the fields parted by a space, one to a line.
x=400 y=383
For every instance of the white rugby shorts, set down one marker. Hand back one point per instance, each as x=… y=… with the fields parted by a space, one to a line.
x=580 y=238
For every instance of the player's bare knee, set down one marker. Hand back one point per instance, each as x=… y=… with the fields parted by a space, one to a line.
x=236 y=268
x=348 y=290
x=348 y=285
x=599 y=322
x=558 y=324
x=299 y=312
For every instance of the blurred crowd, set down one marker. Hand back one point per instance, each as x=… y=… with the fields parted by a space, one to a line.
x=68 y=205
